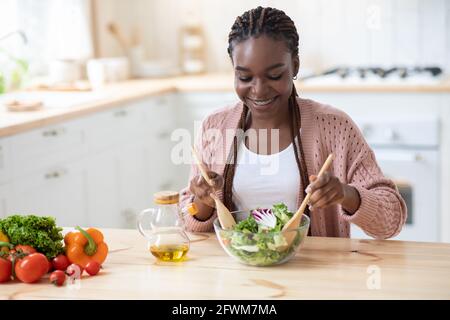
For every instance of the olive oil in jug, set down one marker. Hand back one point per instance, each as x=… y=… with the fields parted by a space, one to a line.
x=167 y=240
x=169 y=252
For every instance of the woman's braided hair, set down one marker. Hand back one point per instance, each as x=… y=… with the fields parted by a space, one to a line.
x=277 y=25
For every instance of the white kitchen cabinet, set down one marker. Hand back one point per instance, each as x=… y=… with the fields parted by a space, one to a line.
x=445 y=169
x=379 y=105
x=56 y=191
x=115 y=187
x=160 y=114
x=113 y=127
x=47 y=178
x=5 y=194
x=5 y=162
x=128 y=161
x=133 y=190
x=161 y=172
x=37 y=149
x=102 y=197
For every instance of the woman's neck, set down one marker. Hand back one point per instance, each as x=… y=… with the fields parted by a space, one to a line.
x=281 y=121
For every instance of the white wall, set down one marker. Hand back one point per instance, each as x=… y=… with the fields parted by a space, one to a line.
x=357 y=32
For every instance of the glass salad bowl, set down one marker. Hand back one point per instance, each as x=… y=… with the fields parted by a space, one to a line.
x=262 y=248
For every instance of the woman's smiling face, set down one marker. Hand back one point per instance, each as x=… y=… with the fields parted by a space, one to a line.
x=264 y=69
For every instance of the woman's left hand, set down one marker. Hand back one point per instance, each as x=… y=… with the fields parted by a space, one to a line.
x=328 y=190
x=325 y=191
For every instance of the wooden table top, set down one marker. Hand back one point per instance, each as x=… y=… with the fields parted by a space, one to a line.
x=324 y=268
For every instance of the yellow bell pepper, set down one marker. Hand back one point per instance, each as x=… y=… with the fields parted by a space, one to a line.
x=4 y=242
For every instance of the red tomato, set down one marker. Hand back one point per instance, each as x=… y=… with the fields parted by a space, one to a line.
x=50 y=266
x=58 y=278
x=93 y=267
x=5 y=270
x=25 y=249
x=60 y=262
x=31 y=268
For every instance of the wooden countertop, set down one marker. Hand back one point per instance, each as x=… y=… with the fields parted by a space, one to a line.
x=115 y=94
x=324 y=268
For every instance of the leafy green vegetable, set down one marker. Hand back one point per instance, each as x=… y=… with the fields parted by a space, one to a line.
x=248 y=225
x=256 y=245
x=283 y=215
x=261 y=249
x=39 y=232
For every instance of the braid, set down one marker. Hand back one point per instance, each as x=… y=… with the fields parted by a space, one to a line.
x=277 y=25
x=297 y=143
x=250 y=27
x=269 y=21
x=261 y=19
x=230 y=166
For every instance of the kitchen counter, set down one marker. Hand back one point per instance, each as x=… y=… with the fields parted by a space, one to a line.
x=116 y=94
x=324 y=268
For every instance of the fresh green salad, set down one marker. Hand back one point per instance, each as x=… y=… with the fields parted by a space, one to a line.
x=257 y=240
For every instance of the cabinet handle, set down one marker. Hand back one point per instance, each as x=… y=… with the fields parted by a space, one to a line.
x=160 y=101
x=51 y=175
x=53 y=132
x=120 y=113
x=54 y=174
x=163 y=135
x=49 y=133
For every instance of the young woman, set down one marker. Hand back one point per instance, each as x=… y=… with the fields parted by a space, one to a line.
x=293 y=138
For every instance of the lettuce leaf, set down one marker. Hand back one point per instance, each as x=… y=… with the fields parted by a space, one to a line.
x=39 y=232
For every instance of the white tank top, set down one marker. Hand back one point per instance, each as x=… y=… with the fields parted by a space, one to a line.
x=264 y=180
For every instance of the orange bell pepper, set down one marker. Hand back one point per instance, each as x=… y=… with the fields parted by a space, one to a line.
x=85 y=246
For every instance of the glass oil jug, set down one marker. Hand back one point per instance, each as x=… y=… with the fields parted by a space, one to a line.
x=163 y=227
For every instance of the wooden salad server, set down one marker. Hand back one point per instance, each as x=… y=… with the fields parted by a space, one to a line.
x=225 y=217
x=294 y=222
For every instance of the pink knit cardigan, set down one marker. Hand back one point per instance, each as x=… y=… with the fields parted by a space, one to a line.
x=382 y=212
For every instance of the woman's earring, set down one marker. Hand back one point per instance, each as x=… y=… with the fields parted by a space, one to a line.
x=295 y=78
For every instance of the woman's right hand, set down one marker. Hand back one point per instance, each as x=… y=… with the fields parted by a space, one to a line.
x=201 y=189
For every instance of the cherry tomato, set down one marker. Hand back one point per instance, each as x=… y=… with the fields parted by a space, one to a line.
x=58 y=278
x=31 y=268
x=5 y=270
x=25 y=249
x=93 y=267
x=61 y=262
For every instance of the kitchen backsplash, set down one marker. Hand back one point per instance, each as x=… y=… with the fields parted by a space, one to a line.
x=332 y=32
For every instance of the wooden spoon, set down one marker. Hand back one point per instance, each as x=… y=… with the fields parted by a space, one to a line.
x=294 y=222
x=116 y=32
x=225 y=217
x=201 y=167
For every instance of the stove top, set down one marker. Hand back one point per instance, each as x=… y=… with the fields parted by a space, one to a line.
x=377 y=75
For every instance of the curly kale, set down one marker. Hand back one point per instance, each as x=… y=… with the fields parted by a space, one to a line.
x=39 y=232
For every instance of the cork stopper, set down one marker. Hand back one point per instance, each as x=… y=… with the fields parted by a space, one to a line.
x=166 y=197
